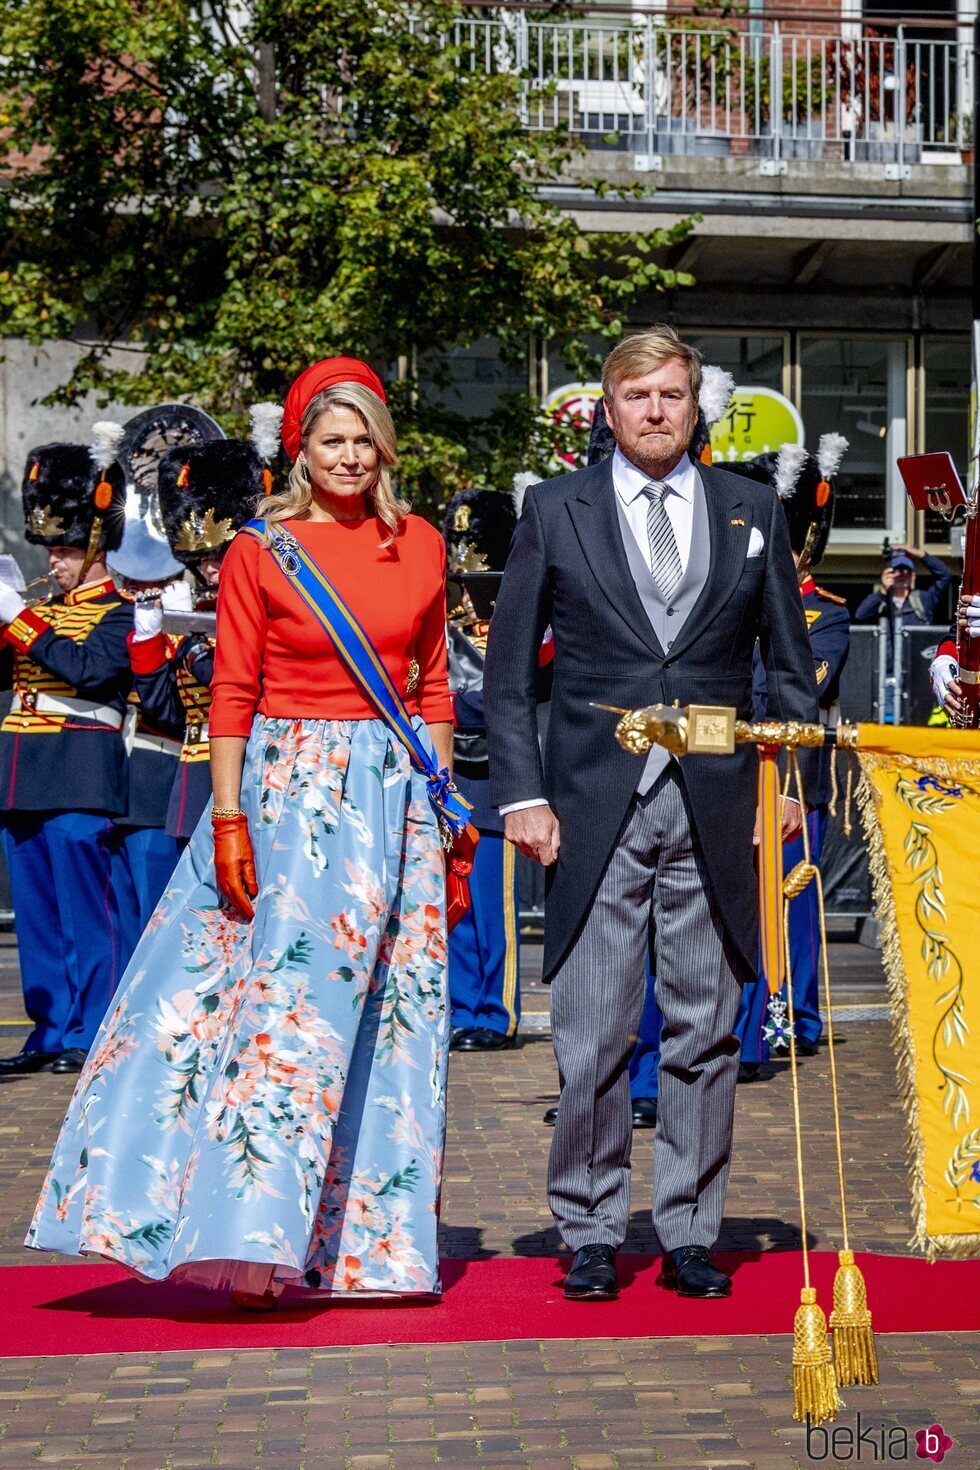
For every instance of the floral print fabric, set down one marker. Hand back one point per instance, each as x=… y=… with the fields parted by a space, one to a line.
x=274 y=1092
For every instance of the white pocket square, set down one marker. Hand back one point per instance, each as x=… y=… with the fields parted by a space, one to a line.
x=757 y=543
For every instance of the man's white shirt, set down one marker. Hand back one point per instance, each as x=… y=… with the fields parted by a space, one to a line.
x=629 y=484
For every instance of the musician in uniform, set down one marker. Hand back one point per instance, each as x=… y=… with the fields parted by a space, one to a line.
x=62 y=760
x=206 y=493
x=146 y=854
x=484 y=979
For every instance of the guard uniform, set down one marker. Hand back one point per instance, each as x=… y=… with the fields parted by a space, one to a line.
x=484 y=947
x=147 y=853
x=172 y=677
x=804 y=483
x=63 y=775
x=206 y=493
x=830 y=631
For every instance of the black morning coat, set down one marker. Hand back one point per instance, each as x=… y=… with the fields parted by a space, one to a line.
x=568 y=567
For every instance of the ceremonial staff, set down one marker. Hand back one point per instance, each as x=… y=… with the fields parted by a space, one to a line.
x=818 y=1369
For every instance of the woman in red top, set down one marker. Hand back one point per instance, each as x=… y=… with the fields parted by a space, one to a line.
x=265 y=1104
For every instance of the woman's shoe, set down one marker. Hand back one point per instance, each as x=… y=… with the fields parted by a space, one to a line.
x=254 y=1301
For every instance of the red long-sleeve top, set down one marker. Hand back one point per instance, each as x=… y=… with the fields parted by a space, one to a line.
x=274 y=658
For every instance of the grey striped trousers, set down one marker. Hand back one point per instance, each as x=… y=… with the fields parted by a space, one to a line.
x=656 y=873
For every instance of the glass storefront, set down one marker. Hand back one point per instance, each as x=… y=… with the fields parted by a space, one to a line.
x=858 y=387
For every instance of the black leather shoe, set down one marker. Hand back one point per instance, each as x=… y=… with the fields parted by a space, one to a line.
x=592 y=1277
x=551 y=1116
x=457 y=1035
x=748 y=1072
x=689 y=1272
x=483 y=1039
x=807 y=1048
x=72 y=1060
x=644 y=1112
x=26 y=1062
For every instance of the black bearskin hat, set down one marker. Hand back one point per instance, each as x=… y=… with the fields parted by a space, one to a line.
x=804 y=484
x=65 y=490
x=206 y=493
x=478 y=526
x=601 y=439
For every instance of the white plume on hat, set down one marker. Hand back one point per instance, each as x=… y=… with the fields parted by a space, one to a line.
x=522 y=483
x=266 y=419
x=107 y=436
x=717 y=387
x=830 y=452
x=789 y=466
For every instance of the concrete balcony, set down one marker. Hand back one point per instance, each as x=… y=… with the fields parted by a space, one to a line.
x=749 y=98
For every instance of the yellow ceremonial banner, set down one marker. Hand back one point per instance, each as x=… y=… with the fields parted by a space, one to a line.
x=920 y=803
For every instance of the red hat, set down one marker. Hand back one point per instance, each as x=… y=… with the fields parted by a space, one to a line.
x=314 y=380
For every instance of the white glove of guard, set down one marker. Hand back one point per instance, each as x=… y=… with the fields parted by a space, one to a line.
x=11 y=603
x=942 y=671
x=972 y=610
x=147 y=621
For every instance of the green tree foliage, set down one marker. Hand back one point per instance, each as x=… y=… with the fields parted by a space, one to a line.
x=233 y=190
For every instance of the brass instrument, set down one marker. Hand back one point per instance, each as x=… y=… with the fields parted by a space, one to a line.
x=46 y=580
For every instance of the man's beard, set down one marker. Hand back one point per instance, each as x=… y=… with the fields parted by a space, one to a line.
x=654 y=463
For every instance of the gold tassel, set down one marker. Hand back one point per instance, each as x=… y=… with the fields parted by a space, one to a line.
x=855 y=1358
x=815 y=1396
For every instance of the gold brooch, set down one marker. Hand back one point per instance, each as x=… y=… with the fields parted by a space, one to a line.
x=203 y=533
x=738 y=523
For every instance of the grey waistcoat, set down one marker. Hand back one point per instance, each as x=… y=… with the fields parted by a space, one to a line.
x=668 y=624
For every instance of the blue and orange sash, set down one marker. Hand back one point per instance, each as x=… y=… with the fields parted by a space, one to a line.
x=358 y=654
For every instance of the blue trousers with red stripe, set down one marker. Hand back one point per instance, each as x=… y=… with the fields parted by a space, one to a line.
x=60 y=867
x=144 y=859
x=804 y=950
x=645 y=1061
x=484 y=979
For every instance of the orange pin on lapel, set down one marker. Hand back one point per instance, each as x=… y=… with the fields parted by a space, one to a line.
x=738 y=523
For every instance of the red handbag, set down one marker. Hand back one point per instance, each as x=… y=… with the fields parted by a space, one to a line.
x=459 y=866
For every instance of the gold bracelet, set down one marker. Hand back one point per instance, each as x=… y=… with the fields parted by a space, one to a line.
x=226 y=811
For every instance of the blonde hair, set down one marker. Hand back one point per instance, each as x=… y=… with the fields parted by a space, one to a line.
x=296 y=499
x=644 y=351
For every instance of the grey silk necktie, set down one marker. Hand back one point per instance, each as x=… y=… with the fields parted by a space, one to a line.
x=665 y=561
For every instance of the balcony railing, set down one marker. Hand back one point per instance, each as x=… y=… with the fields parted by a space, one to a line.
x=748 y=89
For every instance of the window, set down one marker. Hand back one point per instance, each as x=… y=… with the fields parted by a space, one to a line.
x=858 y=387
x=470 y=380
x=946 y=370
x=754 y=362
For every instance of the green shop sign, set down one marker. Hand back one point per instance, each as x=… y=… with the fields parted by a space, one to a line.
x=758 y=421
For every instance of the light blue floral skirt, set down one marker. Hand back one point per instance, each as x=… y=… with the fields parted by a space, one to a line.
x=273 y=1094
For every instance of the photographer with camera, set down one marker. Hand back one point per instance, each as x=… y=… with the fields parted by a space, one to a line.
x=900 y=603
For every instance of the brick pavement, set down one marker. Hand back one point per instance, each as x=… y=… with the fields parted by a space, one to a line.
x=600 y=1405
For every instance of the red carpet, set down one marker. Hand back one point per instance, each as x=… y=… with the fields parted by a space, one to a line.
x=59 y=1310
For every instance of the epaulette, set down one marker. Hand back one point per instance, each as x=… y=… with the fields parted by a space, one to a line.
x=830 y=596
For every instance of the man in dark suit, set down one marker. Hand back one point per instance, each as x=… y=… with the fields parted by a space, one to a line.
x=657 y=578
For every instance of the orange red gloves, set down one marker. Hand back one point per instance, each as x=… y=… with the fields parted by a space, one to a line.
x=234 y=863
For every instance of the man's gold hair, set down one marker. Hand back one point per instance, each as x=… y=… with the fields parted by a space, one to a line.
x=643 y=351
